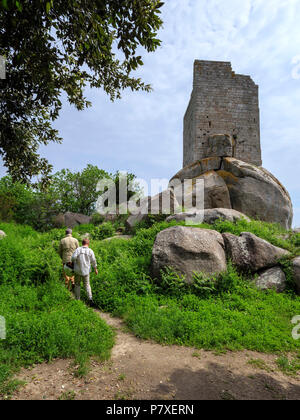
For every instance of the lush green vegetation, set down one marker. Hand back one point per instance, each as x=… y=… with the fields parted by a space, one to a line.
x=226 y=312
x=223 y=313
x=67 y=191
x=43 y=321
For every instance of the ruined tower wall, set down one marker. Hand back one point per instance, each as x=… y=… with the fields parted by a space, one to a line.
x=222 y=102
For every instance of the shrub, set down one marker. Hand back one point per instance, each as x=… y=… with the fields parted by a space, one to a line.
x=97 y=219
x=103 y=231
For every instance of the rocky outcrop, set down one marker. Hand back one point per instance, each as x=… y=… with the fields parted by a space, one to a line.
x=209 y=216
x=2 y=234
x=252 y=190
x=71 y=220
x=188 y=250
x=198 y=168
x=250 y=253
x=215 y=192
x=296 y=273
x=272 y=278
x=189 y=217
x=256 y=192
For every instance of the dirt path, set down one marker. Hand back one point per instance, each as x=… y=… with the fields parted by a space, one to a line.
x=146 y=370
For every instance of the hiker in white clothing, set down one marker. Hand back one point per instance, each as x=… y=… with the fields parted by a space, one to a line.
x=83 y=258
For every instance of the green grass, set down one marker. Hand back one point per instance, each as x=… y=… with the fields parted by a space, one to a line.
x=223 y=313
x=67 y=396
x=289 y=366
x=227 y=313
x=42 y=321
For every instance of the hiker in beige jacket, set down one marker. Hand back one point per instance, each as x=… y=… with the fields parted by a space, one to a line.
x=66 y=249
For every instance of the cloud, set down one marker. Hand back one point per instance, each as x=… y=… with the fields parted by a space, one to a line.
x=143 y=132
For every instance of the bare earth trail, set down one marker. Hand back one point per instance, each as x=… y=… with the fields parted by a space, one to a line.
x=140 y=369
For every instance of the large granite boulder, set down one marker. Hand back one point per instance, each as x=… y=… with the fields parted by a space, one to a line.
x=198 y=168
x=188 y=250
x=216 y=193
x=272 y=278
x=296 y=273
x=208 y=216
x=256 y=192
x=71 y=220
x=251 y=253
x=2 y=234
x=252 y=190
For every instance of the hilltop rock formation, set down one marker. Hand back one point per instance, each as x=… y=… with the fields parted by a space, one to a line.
x=256 y=192
x=241 y=186
x=221 y=146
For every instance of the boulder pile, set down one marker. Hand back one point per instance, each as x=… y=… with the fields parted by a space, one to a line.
x=233 y=184
x=190 y=250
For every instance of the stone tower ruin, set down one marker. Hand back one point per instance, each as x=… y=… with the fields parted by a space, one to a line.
x=225 y=103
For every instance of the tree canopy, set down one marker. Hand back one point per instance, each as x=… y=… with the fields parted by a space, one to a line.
x=67 y=191
x=54 y=47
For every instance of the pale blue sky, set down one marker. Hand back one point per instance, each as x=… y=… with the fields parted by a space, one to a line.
x=142 y=133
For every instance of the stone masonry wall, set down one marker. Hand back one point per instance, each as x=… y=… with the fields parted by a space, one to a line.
x=222 y=102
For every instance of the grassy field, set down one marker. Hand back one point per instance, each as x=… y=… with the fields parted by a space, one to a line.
x=43 y=322
x=225 y=313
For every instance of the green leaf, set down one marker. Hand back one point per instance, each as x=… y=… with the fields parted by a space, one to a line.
x=19 y=6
